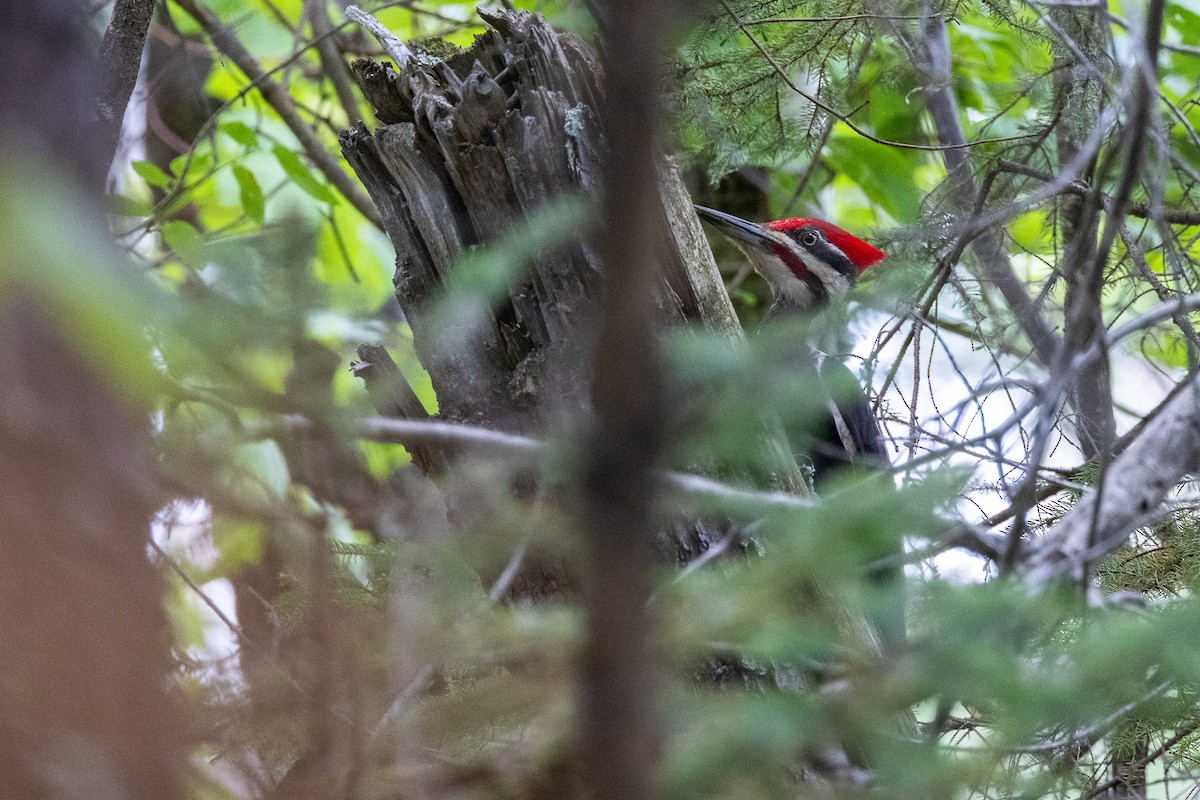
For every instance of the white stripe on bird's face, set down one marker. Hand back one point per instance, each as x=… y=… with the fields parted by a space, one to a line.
x=788 y=287
x=836 y=284
x=784 y=283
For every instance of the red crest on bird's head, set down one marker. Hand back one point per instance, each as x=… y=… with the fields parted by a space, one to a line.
x=859 y=252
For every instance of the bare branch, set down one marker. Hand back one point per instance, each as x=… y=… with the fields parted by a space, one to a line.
x=332 y=63
x=1172 y=216
x=392 y=45
x=932 y=55
x=524 y=449
x=120 y=60
x=840 y=18
x=1180 y=734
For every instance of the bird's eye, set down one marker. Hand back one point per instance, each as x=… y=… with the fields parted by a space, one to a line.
x=808 y=239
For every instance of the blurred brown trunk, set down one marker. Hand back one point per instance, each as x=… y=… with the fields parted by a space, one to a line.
x=84 y=640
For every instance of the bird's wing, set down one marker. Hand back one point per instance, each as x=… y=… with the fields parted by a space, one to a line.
x=852 y=434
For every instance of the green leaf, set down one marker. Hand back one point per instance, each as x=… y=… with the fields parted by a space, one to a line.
x=1185 y=21
x=883 y=173
x=239 y=541
x=383 y=459
x=251 y=193
x=1167 y=348
x=264 y=461
x=354 y=260
x=240 y=132
x=126 y=206
x=1029 y=231
x=186 y=242
x=300 y=175
x=152 y=174
x=192 y=163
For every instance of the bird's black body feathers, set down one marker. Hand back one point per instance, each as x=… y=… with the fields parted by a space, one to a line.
x=849 y=434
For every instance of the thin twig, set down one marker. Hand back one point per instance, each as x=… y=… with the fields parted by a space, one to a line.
x=1173 y=216
x=932 y=55
x=243 y=640
x=842 y=18
x=1180 y=735
x=333 y=65
x=1075 y=737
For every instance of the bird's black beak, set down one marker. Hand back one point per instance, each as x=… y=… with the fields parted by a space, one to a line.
x=738 y=229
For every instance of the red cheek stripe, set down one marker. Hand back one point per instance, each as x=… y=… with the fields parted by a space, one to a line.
x=859 y=252
x=792 y=261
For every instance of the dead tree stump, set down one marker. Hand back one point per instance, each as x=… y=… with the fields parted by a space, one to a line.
x=482 y=140
x=476 y=143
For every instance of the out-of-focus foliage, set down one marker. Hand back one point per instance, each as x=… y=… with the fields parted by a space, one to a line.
x=369 y=607
x=1048 y=725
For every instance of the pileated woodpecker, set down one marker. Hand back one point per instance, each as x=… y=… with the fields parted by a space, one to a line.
x=809 y=262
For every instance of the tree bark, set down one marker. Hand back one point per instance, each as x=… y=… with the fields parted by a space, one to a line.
x=1133 y=491
x=121 y=58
